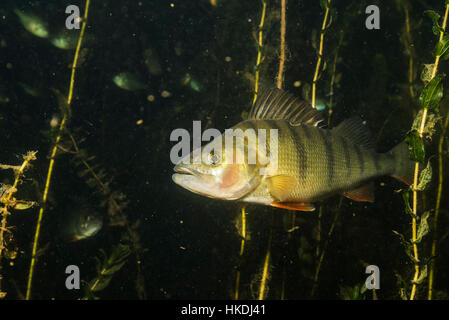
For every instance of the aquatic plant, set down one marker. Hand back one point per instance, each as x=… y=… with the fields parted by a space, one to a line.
x=429 y=101
x=259 y=49
x=325 y=4
x=115 y=202
x=54 y=150
x=106 y=269
x=8 y=202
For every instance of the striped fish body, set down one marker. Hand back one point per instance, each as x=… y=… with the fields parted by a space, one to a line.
x=312 y=162
x=320 y=162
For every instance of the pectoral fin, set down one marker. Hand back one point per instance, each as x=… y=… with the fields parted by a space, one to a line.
x=297 y=206
x=280 y=186
x=362 y=193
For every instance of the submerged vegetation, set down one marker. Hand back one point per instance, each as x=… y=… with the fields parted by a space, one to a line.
x=100 y=112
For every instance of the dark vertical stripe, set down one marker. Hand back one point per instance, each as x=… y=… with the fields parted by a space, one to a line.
x=376 y=159
x=250 y=125
x=329 y=154
x=359 y=153
x=300 y=151
x=306 y=130
x=273 y=125
x=347 y=156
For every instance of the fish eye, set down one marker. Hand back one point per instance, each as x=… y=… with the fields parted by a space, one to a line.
x=213 y=158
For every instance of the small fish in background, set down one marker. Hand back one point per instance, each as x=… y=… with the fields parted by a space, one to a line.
x=33 y=24
x=65 y=39
x=313 y=163
x=128 y=81
x=152 y=62
x=32 y=90
x=68 y=39
x=82 y=223
x=188 y=80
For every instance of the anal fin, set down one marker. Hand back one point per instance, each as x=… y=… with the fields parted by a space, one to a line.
x=297 y=206
x=363 y=193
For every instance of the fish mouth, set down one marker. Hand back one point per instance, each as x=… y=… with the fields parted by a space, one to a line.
x=181 y=169
x=191 y=179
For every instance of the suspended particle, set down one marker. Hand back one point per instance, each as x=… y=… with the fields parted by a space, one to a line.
x=165 y=94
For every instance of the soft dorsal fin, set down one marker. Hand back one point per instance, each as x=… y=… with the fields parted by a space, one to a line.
x=355 y=131
x=276 y=104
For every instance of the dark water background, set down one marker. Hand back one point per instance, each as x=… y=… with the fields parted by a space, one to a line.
x=191 y=244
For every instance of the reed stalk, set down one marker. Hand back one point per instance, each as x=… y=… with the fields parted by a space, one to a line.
x=320 y=53
x=53 y=153
x=437 y=208
x=259 y=49
x=242 y=250
x=416 y=172
x=280 y=77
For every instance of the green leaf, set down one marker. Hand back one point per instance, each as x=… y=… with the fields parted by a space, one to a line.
x=422 y=276
x=99 y=283
x=426 y=74
x=23 y=205
x=415 y=145
x=406 y=196
x=430 y=125
x=435 y=17
x=432 y=15
x=324 y=4
x=432 y=93
x=424 y=177
x=423 y=228
x=441 y=47
x=351 y=293
x=407 y=245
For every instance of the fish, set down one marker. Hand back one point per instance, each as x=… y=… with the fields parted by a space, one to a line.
x=128 y=81
x=313 y=162
x=33 y=23
x=193 y=84
x=82 y=223
x=65 y=39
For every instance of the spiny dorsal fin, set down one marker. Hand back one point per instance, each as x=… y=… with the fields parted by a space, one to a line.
x=276 y=104
x=355 y=131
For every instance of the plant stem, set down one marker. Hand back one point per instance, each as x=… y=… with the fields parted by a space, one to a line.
x=53 y=154
x=282 y=55
x=320 y=53
x=415 y=178
x=242 y=250
x=437 y=207
x=259 y=50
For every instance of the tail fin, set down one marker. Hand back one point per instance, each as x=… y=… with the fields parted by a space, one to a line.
x=403 y=167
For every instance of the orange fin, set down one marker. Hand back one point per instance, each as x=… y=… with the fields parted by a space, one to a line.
x=297 y=206
x=280 y=186
x=363 y=193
